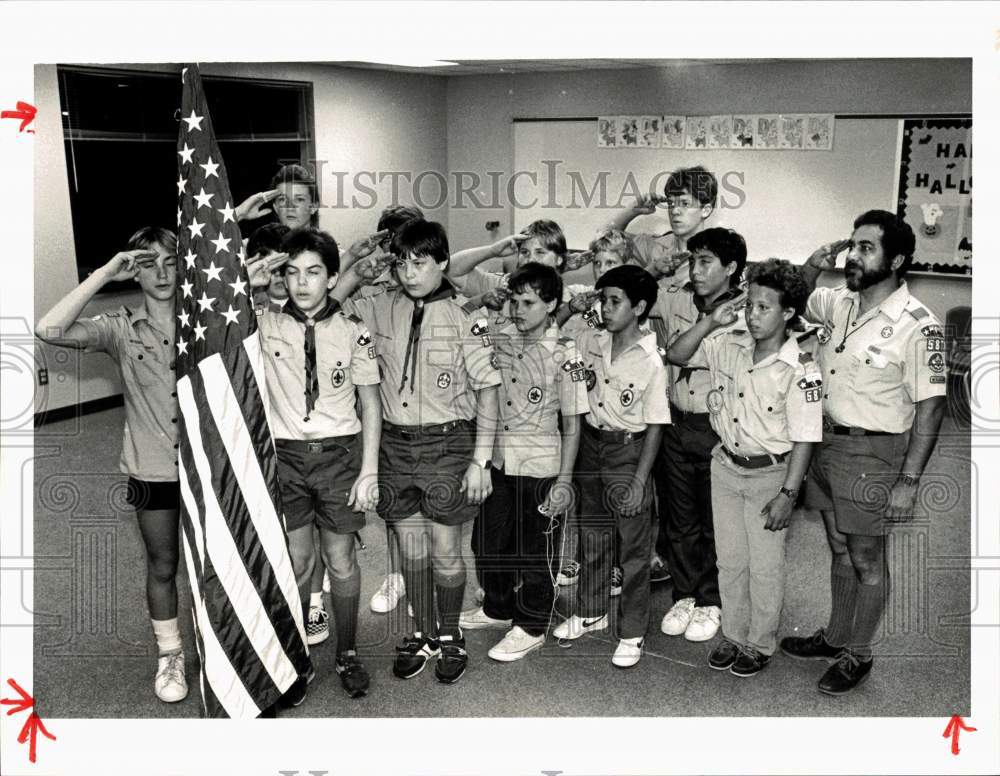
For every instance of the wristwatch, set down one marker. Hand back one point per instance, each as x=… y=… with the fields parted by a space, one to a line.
x=484 y=463
x=792 y=493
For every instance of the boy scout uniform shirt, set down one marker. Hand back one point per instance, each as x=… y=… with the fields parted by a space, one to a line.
x=888 y=359
x=429 y=376
x=345 y=357
x=629 y=393
x=145 y=357
x=478 y=282
x=764 y=407
x=541 y=380
x=678 y=309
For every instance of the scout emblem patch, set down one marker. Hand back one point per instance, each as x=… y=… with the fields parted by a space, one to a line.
x=591 y=378
x=714 y=401
x=627 y=397
x=337 y=378
x=886 y=332
x=444 y=380
x=936 y=362
x=534 y=394
x=823 y=335
x=481 y=329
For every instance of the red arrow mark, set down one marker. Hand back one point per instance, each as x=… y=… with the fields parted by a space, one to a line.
x=25 y=113
x=32 y=725
x=955 y=726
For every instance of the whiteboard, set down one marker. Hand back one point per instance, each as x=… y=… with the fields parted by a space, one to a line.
x=784 y=203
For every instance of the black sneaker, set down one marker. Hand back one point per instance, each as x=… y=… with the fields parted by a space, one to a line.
x=847 y=673
x=353 y=674
x=723 y=656
x=749 y=662
x=413 y=655
x=812 y=647
x=295 y=694
x=450 y=667
x=658 y=571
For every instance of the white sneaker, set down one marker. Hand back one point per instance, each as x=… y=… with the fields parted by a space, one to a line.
x=170 y=684
x=475 y=619
x=317 y=626
x=675 y=621
x=704 y=623
x=387 y=596
x=628 y=652
x=576 y=626
x=569 y=574
x=515 y=645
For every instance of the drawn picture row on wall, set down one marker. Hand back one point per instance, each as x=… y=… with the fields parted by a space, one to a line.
x=799 y=132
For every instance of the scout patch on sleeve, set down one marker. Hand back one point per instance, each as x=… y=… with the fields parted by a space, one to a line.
x=481 y=329
x=495 y=362
x=937 y=378
x=936 y=362
x=365 y=338
x=591 y=377
x=575 y=368
x=935 y=338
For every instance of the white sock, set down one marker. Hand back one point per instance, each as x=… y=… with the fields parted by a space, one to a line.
x=168 y=635
x=316 y=599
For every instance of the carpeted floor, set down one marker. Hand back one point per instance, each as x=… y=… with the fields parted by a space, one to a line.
x=94 y=649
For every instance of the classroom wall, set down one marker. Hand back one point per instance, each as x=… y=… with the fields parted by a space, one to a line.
x=481 y=110
x=364 y=120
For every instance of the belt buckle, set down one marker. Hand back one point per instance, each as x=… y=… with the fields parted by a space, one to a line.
x=315 y=447
x=628 y=436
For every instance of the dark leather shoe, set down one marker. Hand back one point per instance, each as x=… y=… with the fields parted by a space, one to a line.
x=847 y=673
x=353 y=675
x=810 y=648
x=723 y=656
x=749 y=662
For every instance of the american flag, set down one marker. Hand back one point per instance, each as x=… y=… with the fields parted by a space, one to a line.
x=247 y=609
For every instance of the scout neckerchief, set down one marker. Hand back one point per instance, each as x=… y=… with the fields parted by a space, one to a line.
x=704 y=309
x=312 y=375
x=444 y=291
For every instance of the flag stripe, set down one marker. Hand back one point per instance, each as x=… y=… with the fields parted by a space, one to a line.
x=226 y=561
x=227 y=687
x=235 y=437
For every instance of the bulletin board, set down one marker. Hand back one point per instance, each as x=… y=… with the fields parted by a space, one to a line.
x=784 y=203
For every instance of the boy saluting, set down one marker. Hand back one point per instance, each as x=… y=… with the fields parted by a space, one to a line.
x=315 y=357
x=627 y=397
x=766 y=407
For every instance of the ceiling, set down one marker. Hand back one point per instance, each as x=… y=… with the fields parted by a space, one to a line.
x=495 y=66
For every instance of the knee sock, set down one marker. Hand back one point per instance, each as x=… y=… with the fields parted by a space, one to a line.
x=420 y=593
x=345 y=594
x=871 y=603
x=168 y=635
x=450 y=592
x=843 y=590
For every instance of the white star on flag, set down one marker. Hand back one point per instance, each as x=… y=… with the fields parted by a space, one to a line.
x=228 y=213
x=239 y=287
x=203 y=199
x=195 y=228
x=182 y=347
x=205 y=303
x=181 y=184
x=199 y=331
x=185 y=154
x=193 y=121
x=221 y=243
x=231 y=315
x=212 y=272
x=210 y=168
x=189 y=258
x=184 y=318
x=186 y=287
x=179 y=214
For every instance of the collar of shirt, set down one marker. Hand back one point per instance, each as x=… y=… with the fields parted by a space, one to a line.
x=445 y=291
x=647 y=342
x=327 y=311
x=892 y=307
x=140 y=313
x=548 y=340
x=788 y=352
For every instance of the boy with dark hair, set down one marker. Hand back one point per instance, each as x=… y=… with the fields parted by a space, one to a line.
x=140 y=339
x=316 y=357
x=295 y=195
x=686 y=540
x=766 y=407
x=882 y=354
x=627 y=397
x=265 y=243
x=439 y=399
x=517 y=532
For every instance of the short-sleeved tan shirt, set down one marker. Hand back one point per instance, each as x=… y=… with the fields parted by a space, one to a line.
x=345 y=357
x=430 y=378
x=764 y=407
x=145 y=358
x=541 y=380
x=878 y=365
x=629 y=393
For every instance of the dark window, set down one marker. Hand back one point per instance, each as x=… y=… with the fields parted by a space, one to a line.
x=120 y=133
